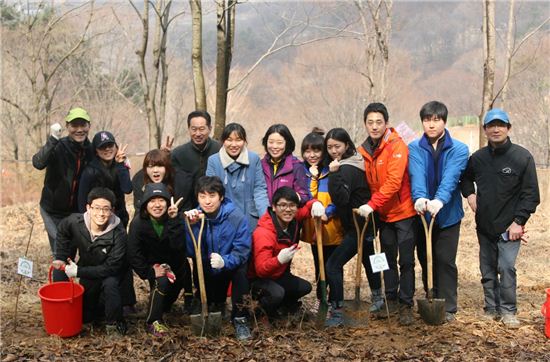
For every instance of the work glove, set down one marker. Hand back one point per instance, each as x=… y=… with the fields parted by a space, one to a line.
x=421 y=205
x=434 y=206
x=71 y=269
x=56 y=130
x=286 y=254
x=317 y=209
x=365 y=210
x=216 y=261
x=192 y=215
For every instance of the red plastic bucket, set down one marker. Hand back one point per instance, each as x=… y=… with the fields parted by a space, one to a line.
x=61 y=307
x=545 y=310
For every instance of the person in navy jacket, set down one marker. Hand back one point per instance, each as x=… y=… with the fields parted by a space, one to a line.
x=436 y=163
x=225 y=247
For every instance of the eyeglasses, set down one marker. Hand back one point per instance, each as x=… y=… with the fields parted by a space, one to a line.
x=101 y=210
x=289 y=206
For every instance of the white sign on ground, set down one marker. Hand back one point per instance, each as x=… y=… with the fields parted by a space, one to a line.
x=24 y=267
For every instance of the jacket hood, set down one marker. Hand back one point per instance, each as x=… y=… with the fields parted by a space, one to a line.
x=154 y=190
x=356 y=161
x=227 y=160
x=112 y=223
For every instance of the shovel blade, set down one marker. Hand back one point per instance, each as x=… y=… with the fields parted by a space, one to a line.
x=214 y=323
x=198 y=324
x=321 y=315
x=432 y=311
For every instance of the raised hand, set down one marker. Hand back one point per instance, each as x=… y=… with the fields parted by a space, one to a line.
x=168 y=145
x=173 y=209
x=121 y=154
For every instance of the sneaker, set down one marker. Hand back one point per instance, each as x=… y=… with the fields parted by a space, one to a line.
x=314 y=308
x=336 y=318
x=118 y=327
x=377 y=301
x=449 y=317
x=157 y=329
x=242 y=331
x=489 y=315
x=405 y=315
x=510 y=321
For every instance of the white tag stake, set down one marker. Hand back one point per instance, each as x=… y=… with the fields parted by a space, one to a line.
x=378 y=262
x=24 y=267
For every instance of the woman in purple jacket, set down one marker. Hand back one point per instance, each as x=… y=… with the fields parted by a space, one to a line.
x=280 y=167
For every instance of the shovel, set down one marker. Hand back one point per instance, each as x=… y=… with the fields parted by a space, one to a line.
x=431 y=310
x=377 y=250
x=360 y=236
x=204 y=323
x=323 y=305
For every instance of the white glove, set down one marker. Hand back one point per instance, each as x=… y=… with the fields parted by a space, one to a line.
x=421 y=205
x=286 y=254
x=434 y=206
x=317 y=209
x=216 y=261
x=71 y=269
x=56 y=130
x=365 y=210
x=192 y=215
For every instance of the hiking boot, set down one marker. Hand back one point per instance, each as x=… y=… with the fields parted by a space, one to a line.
x=377 y=301
x=489 y=315
x=449 y=317
x=336 y=318
x=157 y=329
x=510 y=321
x=242 y=330
x=393 y=307
x=405 y=315
x=119 y=327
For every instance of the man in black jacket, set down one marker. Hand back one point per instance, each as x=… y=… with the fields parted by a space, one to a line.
x=507 y=194
x=100 y=240
x=64 y=158
x=192 y=156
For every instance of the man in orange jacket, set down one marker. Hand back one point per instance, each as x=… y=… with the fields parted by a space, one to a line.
x=386 y=161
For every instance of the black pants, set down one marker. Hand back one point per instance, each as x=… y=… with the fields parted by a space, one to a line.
x=218 y=283
x=343 y=253
x=445 y=272
x=275 y=293
x=101 y=297
x=163 y=295
x=398 y=238
x=327 y=252
x=127 y=292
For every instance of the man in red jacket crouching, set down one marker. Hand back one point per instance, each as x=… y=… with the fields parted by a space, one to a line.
x=274 y=244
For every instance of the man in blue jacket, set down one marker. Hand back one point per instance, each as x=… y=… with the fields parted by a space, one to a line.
x=225 y=247
x=436 y=162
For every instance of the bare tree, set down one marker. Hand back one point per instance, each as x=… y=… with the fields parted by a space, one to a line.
x=154 y=82
x=49 y=43
x=196 y=55
x=489 y=45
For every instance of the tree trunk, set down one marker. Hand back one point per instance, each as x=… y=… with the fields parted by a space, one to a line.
x=509 y=53
x=489 y=44
x=196 y=55
x=225 y=34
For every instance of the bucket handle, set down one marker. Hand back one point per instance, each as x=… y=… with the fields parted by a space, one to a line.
x=50 y=271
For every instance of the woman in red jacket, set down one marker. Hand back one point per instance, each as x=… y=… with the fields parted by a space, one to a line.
x=274 y=244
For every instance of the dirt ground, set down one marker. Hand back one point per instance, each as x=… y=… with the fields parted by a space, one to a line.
x=466 y=339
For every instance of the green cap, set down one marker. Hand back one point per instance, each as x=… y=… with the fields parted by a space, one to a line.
x=77 y=113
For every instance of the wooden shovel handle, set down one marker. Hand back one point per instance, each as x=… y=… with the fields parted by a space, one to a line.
x=429 y=258
x=198 y=260
x=360 y=237
x=319 y=242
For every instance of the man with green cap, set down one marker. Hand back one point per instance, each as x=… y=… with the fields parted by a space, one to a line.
x=505 y=195
x=64 y=158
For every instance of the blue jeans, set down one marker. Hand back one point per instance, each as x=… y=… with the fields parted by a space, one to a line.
x=50 y=224
x=497 y=260
x=339 y=257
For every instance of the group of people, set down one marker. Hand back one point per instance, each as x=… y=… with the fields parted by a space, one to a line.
x=253 y=211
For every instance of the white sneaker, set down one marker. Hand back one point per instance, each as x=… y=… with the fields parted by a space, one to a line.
x=510 y=321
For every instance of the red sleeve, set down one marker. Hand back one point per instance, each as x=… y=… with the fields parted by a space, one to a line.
x=265 y=259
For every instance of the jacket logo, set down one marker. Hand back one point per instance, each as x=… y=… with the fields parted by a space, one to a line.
x=284 y=180
x=507 y=170
x=380 y=162
x=397 y=155
x=104 y=250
